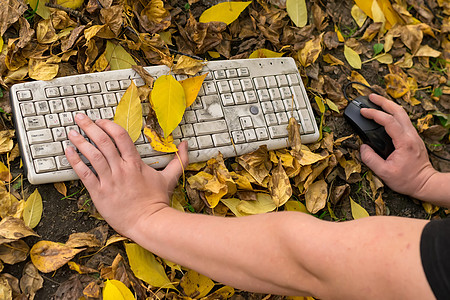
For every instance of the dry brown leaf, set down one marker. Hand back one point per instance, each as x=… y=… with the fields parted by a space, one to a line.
x=61 y=188
x=83 y=239
x=294 y=138
x=188 y=66
x=31 y=280
x=316 y=196
x=309 y=54
x=144 y=75
x=339 y=192
x=6 y=142
x=257 y=163
x=279 y=186
x=10 y=12
x=412 y=36
x=14 y=229
x=14 y=252
x=380 y=206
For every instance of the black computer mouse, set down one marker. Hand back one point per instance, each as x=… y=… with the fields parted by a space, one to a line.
x=371 y=133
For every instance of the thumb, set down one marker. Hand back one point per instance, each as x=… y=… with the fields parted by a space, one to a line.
x=372 y=159
x=175 y=168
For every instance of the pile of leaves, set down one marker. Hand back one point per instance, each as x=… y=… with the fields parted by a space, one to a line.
x=400 y=48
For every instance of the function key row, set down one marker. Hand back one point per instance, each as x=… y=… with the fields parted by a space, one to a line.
x=231 y=73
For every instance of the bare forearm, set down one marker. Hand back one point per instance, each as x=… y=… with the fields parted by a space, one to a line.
x=249 y=253
x=436 y=190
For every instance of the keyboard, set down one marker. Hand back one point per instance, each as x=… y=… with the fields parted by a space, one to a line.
x=242 y=105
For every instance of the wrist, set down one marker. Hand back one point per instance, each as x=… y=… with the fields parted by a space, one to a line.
x=426 y=189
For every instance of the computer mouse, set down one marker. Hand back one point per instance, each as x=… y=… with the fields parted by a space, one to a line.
x=371 y=133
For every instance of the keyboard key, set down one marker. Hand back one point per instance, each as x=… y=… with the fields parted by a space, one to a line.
x=66 y=90
x=209 y=75
x=62 y=163
x=205 y=142
x=281 y=80
x=285 y=93
x=45 y=165
x=93 y=87
x=27 y=109
x=106 y=113
x=278 y=106
x=40 y=136
x=66 y=144
x=260 y=83
x=192 y=143
x=42 y=107
x=221 y=139
x=45 y=150
x=33 y=123
x=267 y=107
x=188 y=130
x=261 y=134
x=212 y=111
x=139 y=82
x=109 y=99
x=246 y=122
x=93 y=114
x=52 y=120
x=307 y=121
x=227 y=99
x=79 y=89
x=288 y=104
x=292 y=79
x=235 y=85
x=263 y=95
x=250 y=135
x=190 y=117
x=298 y=97
x=83 y=102
x=59 y=134
x=238 y=137
x=52 y=92
x=220 y=74
x=69 y=128
x=56 y=106
x=96 y=101
x=24 y=95
x=177 y=134
x=210 y=127
x=271 y=82
x=197 y=104
x=231 y=73
x=271 y=120
x=243 y=72
x=146 y=150
x=250 y=97
x=223 y=86
x=70 y=104
x=124 y=84
x=66 y=118
x=274 y=94
x=239 y=98
x=113 y=85
x=282 y=118
x=209 y=88
x=279 y=131
x=246 y=84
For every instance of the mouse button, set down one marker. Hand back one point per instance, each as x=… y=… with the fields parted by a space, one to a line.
x=366 y=103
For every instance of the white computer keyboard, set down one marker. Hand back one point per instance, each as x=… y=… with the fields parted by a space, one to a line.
x=242 y=105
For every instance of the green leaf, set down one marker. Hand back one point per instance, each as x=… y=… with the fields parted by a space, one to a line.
x=32 y=211
x=297 y=11
x=358 y=211
x=225 y=12
x=437 y=92
x=352 y=57
x=377 y=48
x=116 y=290
x=145 y=266
x=129 y=112
x=169 y=102
x=118 y=57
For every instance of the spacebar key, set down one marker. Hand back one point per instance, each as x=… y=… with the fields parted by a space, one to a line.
x=210 y=127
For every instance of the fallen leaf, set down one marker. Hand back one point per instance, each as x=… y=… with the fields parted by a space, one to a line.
x=116 y=290
x=49 y=256
x=352 y=57
x=188 y=66
x=333 y=61
x=169 y=102
x=309 y=158
x=225 y=292
x=225 y=12
x=264 y=53
x=297 y=11
x=5 y=175
x=80 y=269
x=61 y=188
x=118 y=57
x=31 y=281
x=83 y=239
x=32 y=211
x=395 y=85
x=92 y=290
x=380 y=206
x=196 y=285
x=358 y=211
x=430 y=208
x=316 y=196
x=279 y=186
x=378 y=15
x=1 y=44
x=129 y=112
x=159 y=143
x=40 y=8
x=192 y=86
x=292 y=205
x=39 y=69
x=114 y=239
x=294 y=138
x=14 y=252
x=73 y=4
x=263 y=204
x=144 y=75
x=309 y=54
x=257 y=163
x=146 y=267
x=358 y=15
x=427 y=51
x=154 y=16
x=232 y=204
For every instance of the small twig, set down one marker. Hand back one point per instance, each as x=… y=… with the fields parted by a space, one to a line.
x=362 y=29
x=181 y=53
x=70 y=11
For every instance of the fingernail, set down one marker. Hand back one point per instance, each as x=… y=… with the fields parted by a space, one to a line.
x=73 y=133
x=80 y=116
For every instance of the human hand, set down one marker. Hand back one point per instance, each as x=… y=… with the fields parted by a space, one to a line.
x=407 y=169
x=125 y=189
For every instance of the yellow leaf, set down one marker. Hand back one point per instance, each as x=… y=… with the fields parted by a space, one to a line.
x=159 y=143
x=320 y=104
x=169 y=102
x=146 y=267
x=352 y=57
x=309 y=158
x=129 y=112
x=232 y=204
x=5 y=175
x=292 y=205
x=358 y=211
x=297 y=11
x=196 y=285
x=225 y=292
x=427 y=51
x=188 y=66
x=116 y=290
x=1 y=44
x=264 y=53
x=339 y=34
x=263 y=204
x=385 y=6
x=316 y=196
x=225 y=12
x=32 y=211
x=80 y=268
x=49 y=256
x=192 y=86
x=73 y=4
x=309 y=54
x=61 y=188
x=378 y=15
x=359 y=15
x=40 y=8
x=118 y=57
x=385 y=58
x=332 y=105
x=395 y=85
x=39 y=69
x=214 y=54
x=279 y=186
x=333 y=61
